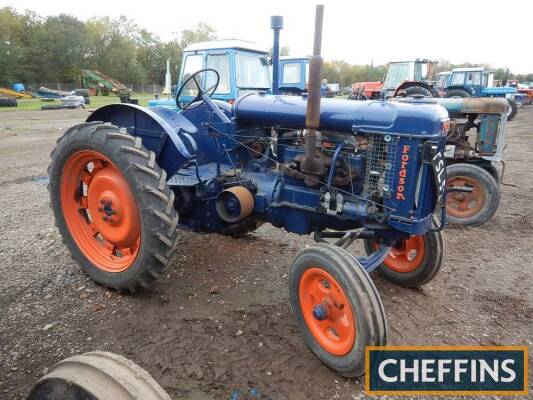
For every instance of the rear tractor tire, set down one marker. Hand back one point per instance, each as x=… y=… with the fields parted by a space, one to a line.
x=457 y=93
x=112 y=206
x=337 y=307
x=413 y=262
x=417 y=90
x=474 y=208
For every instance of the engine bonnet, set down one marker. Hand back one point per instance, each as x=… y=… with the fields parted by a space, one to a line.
x=342 y=115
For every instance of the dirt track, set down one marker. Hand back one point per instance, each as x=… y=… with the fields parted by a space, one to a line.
x=200 y=345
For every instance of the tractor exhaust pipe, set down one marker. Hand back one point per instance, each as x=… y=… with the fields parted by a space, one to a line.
x=313 y=163
x=276 y=24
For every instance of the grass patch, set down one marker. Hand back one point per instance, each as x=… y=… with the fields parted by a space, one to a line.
x=96 y=102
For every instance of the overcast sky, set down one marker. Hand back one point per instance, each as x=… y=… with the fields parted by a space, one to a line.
x=476 y=31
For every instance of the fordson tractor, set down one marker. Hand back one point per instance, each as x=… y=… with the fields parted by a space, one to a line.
x=124 y=181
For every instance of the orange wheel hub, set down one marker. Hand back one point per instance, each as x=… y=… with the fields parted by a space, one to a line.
x=465 y=204
x=327 y=311
x=100 y=211
x=407 y=256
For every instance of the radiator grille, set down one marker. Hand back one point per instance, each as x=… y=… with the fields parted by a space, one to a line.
x=380 y=165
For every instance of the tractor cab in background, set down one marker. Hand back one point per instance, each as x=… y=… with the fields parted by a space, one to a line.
x=241 y=65
x=294 y=75
x=472 y=82
x=404 y=78
x=477 y=82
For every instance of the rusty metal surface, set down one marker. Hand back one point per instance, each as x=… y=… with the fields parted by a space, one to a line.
x=315 y=72
x=312 y=163
x=97 y=375
x=484 y=105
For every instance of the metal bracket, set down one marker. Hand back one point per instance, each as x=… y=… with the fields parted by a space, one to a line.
x=371 y=262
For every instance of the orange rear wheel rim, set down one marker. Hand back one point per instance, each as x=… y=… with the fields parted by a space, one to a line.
x=336 y=332
x=406 y=256
x=100 y=211
x=465 y=204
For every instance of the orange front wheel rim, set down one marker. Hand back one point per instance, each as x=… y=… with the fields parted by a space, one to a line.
x=100 y=211
x=407 y=255
x=327 y=311
x=465 y=204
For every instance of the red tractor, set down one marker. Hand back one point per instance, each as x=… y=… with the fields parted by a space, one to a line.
x=404 y=78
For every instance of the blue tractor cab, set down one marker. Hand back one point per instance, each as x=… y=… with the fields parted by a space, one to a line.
x=294 y=75
x=241 y=65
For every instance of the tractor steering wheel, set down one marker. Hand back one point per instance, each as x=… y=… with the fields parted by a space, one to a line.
x=199 y=98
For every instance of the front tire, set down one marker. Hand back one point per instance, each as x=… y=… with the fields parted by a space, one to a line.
x=112 y=206
x=414 y=261
x=513 y=111
x=474 y=208
x=337 y=307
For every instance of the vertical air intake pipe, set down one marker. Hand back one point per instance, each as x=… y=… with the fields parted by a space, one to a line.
x=276 y=23
x=313 y=163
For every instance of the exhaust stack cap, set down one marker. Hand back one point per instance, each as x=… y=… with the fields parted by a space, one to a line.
x=276 y=22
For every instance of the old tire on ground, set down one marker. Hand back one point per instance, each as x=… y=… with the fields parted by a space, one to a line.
x=513 y=110
x=82 y=92
x=337 y=307
x=473 y=208
x=458 y=93
x=54 y=107
x=97 y=375
x=415 y=261
x=417 y=90
x=8 y=102
x=112 y=205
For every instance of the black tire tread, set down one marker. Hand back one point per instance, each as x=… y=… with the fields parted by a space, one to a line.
x=153 y=196
x=371 y=318
x=493 y=198
x=457 y=93
x=514 y=109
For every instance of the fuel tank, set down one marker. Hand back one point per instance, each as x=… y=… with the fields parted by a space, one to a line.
x=425 y=120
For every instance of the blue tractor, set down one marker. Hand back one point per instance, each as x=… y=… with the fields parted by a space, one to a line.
x=475 y=82
x=124 y=181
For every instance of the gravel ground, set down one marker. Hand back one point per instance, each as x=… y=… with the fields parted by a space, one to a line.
x=220 y=322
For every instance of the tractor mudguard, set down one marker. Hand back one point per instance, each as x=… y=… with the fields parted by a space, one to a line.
x=165 y=132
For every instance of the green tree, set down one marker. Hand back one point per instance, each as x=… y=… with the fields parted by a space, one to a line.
x=199 y=33
x=58 y=49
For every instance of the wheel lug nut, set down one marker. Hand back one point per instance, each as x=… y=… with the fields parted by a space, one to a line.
x=102 y=201
x=320 y=312
x=100 y=209
x=104 y=218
